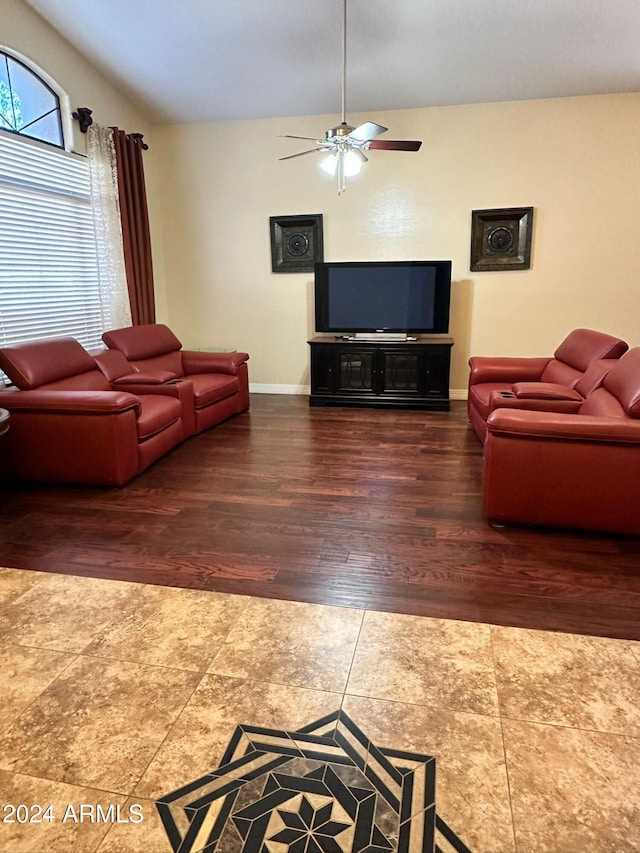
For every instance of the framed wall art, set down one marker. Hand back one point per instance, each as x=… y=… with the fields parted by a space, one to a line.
x=296 y=242
x=501 y=238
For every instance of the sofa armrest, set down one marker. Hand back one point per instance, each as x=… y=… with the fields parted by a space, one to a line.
x=508 y=400
x=573 y=428
x=511 y=370
x=156 y=377
x=213 y=362
x=167 y=389
x=545 y=391
x=70 y=402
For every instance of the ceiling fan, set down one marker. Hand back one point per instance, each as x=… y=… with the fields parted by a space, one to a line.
x=345 y=145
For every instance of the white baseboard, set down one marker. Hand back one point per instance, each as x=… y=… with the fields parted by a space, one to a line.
x=458 y=393
x=262 y=388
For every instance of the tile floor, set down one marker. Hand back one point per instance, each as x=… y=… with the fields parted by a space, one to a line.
x=115 y=694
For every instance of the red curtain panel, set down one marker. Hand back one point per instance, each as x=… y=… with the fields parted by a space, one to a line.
x=135 y=225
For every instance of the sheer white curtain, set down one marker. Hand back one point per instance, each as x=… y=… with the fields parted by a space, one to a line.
x=114 y=294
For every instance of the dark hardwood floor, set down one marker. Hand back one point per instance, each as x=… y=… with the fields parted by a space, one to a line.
x=369 y=508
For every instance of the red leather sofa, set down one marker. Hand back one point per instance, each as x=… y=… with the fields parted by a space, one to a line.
x=557 y=383
x=220 y=381
x=570 y=470
x=69 y=426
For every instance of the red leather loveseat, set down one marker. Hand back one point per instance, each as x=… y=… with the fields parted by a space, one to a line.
x=220 y=381
x=570 y=470
x=559 y=383
x=69 y=426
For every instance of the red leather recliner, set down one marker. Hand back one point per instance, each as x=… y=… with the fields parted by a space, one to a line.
x=220 y=380
x=559 y=383
x=570 y=470
x=69 y=426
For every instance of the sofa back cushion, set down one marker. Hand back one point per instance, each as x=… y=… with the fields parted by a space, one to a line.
x=603 y=404
x=581 y=346
x=139 y=343
x=594 y=375
x=91 y=380
x=57 y=362
x=559 y=373
x=574 y=355
x=169 y=365
x=619 y=395
x=113 y=364
x=623 y=381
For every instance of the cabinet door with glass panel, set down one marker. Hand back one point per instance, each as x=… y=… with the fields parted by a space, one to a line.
x=358 y=370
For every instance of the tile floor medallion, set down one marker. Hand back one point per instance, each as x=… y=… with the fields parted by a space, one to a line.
x=325 y=788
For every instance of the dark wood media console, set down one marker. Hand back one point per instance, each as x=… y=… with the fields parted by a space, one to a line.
x=400 y=374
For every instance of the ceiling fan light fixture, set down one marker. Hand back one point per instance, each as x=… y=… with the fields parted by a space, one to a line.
x=343 y=164
x=329 y=164
x=353 y=161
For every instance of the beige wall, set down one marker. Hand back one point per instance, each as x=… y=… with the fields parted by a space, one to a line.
x=575 y=160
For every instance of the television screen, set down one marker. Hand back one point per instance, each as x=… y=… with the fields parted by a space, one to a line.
x=383 y=296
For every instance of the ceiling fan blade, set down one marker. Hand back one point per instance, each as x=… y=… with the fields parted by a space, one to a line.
x=289 y=136
x=367 y=131
x=395 y=144
x=301 y=153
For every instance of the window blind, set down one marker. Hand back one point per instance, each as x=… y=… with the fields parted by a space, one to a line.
x=49 y=285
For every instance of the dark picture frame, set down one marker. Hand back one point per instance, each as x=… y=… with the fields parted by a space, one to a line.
x=501 y=238
x=296 y=242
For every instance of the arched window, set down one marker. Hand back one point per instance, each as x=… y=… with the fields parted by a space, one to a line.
x=28 y=104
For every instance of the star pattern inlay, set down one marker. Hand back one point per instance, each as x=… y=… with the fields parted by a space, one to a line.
x=325 y=788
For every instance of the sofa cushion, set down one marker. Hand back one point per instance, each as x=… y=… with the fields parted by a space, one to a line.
x=208 y=388
x=37 y=363
x=141 y=342
x=156 y=414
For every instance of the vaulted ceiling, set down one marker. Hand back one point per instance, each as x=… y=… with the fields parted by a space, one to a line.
x=211 y=60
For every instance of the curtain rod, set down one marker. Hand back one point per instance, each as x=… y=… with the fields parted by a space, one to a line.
x=83 y=116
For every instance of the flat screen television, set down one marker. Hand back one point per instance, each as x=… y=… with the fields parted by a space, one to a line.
x=383 y=296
